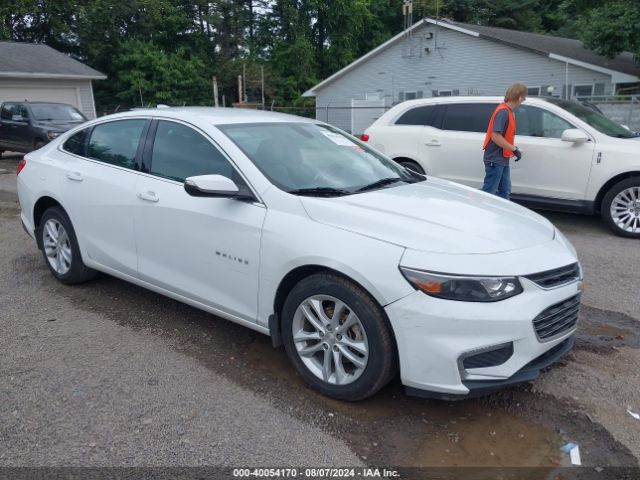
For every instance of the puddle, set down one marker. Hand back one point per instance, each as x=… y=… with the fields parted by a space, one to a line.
x=603 y=331
x=486 y=439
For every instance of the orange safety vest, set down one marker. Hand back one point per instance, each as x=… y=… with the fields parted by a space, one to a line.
x=510 y=134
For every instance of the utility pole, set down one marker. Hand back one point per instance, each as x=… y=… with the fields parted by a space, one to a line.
x=239 y=88
x=262 y=84
x=215 y=91
x=244 y=83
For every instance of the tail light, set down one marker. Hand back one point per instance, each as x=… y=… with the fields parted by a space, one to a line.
x=364 y=137
x=21 y=165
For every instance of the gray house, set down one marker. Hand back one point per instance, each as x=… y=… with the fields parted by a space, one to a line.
x=37 y=72
x=441 y=58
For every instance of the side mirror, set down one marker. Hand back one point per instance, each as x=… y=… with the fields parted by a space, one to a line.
x=216 y=186
x=574 y=135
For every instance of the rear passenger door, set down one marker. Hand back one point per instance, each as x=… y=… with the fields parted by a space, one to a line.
x=99 y=175
x=452 y=146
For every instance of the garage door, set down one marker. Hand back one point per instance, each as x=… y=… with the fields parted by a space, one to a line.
x=67 y=95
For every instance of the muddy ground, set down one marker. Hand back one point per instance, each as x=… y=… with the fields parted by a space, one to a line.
x=583 y=399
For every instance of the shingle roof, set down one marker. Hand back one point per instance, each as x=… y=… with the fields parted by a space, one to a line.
x=39 y=60
x=547 y=44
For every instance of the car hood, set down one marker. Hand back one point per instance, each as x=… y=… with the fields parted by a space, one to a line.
x=434 y=216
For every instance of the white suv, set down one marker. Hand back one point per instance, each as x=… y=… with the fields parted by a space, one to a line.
x=574 y=159
x=299 y=231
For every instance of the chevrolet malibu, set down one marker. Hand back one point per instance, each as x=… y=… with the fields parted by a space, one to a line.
x=359 y=267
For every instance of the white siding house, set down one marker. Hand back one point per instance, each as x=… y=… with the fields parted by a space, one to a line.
x=438 y=58
x=37 y=72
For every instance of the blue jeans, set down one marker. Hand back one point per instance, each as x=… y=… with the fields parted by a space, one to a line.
x=497 y=180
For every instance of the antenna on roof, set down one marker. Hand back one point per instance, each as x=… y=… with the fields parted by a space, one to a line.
x=407 y=12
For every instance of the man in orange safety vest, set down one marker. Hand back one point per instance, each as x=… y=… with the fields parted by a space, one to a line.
x=499 y=143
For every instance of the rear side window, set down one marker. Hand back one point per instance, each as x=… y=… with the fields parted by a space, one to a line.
x=417 y=116
x=468 y=117
x=116 y=143
x=180 y=152
x=7 y=111
x=76 y=143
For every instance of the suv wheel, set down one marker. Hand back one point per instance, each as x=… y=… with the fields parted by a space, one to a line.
x=621 y=208
x=337 y=337
x=411 y=165
x=60 y=248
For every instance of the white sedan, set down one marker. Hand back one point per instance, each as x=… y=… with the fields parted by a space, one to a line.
x=297 y=230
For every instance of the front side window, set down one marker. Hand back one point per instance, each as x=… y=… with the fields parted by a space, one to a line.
x=116 y=142
x=308 y=158
x=76 y=143
x=468 y=117
x=180 y=152
x=417 y=116
x=594 y=119
x=536 y=122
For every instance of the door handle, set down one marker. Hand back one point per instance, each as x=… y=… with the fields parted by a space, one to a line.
x=433 y=143
x=75 y=176
x=148 y=196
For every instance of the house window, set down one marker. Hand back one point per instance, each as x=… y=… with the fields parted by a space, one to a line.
x=445 y=93
x=533 y=91
x=582 y=90
x=410 y=95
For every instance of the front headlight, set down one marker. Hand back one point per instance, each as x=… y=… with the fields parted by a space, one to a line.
x=53 y=135
x=462 y=288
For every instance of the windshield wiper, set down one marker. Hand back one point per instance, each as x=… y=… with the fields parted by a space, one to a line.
x=320 y=192
x=380 y=183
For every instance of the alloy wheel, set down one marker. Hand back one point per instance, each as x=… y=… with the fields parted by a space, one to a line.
x=625 y=210
x=330 y=339
x=57 y=246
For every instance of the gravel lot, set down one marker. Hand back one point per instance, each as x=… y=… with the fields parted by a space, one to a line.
x=108 y=374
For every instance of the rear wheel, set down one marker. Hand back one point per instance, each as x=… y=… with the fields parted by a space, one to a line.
x=411 y=165
x=60 y=248
x=337 y=337
x=621 y=208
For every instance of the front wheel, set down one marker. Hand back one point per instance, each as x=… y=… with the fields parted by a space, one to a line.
x=337 y=337
x=621 y=208
x=411 y=165
x=60 y=248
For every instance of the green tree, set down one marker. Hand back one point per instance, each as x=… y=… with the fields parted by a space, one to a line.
x=609 y=28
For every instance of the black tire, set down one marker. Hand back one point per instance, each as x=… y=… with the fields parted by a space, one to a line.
x=607 y=201
x=77 y=271
x=381 y=365
x=411 y=165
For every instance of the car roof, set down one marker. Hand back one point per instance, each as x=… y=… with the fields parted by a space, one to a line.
x=215 y=115
x=468 y=99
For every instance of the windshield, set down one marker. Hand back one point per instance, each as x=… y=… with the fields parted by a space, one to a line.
x=46 y=112
x=306 y=158
x=595 y=119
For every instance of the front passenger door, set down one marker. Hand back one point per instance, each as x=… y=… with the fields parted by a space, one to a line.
x=205 y=249
x=549 y=167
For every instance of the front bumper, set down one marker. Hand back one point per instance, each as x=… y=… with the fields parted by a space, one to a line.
x=434 y=336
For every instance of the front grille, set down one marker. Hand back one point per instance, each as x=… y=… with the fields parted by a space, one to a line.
x=491 y=358
x=556 y=277
x=557 y=319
